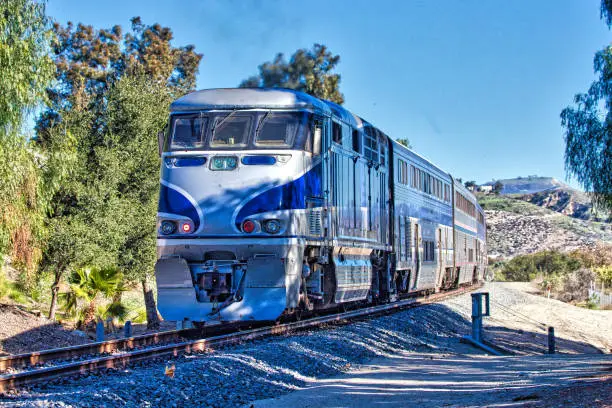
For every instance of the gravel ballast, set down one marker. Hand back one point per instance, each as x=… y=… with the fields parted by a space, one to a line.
x=257 y=370
x=275 y=366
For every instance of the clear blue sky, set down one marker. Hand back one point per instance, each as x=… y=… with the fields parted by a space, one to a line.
x=477 y=86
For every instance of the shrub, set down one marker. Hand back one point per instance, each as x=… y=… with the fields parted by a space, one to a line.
x=4 y=287
x=600 y=255
x=604 y=273
x=592 y=302
x=524 y=268
x=576 y=285
x=552 y=282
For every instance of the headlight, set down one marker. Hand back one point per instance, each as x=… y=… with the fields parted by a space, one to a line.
x=272 y=226
x=167 y=227
x=223 y=163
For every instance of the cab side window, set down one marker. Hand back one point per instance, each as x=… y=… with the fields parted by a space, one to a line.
x=336 y=132
x=356 y=141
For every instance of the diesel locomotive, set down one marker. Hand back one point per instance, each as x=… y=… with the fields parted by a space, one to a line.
x=274 y=202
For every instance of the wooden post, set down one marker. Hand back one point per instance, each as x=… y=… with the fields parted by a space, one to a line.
x=551 y=340
x=100 y=331
x=127 y=329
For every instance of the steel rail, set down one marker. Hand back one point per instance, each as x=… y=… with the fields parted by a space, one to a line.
x=15 y=380
x=101 y=347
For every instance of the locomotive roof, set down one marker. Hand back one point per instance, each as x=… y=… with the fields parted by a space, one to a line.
x=266 y=98
x=236 y=98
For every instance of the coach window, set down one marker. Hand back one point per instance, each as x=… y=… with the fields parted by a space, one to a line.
x=429 y=253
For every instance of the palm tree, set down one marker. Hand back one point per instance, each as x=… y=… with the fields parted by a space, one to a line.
x=89 y=285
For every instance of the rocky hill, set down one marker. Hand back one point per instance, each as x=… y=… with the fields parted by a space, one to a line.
x=553 y=194
x=516 y=227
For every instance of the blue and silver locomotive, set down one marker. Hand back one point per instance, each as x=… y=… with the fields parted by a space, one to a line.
x=274 y=202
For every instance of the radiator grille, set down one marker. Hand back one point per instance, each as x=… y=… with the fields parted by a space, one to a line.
x=314 y=221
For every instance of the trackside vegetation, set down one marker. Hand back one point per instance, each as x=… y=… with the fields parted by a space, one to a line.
x=79 y=192
x=567 y=276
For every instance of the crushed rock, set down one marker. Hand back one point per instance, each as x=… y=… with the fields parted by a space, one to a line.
x=510 y=234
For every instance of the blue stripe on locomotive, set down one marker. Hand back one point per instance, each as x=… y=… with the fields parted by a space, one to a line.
x=173 y=202
x=289 y=196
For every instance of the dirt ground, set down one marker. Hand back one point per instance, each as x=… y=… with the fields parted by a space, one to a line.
x=433 y=380
x=580 y=375
x=520 y=318
x=22 y=331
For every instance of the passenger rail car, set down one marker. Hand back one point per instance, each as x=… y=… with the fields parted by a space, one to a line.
x=273 y=201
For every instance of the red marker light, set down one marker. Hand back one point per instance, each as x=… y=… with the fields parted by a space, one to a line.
x=186 y=228
x=248 y=226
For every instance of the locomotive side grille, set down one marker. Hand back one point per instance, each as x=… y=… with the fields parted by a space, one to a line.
x=314 y=221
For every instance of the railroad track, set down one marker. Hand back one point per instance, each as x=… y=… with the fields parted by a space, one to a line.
x=120 y=353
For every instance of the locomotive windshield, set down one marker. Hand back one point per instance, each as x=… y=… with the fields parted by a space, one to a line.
x=241 y=130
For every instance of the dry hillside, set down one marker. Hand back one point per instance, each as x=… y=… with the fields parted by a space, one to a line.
x=515 y=227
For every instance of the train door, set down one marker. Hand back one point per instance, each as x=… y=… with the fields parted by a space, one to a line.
x=417 y=255
x=440 y=258
x=383 y=208
x=446 y=244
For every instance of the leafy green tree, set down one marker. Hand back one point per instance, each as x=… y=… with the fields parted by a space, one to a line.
x=80 y=231
x=405 y=143
x=107 y=124
x=470 y=184
x=309 y=71
x=498 y=187
x=25 y=72
x=588 y=128
x=137 y=110
x=90 y=60
x=25 y=66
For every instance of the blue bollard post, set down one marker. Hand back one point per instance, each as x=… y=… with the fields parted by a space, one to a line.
x=477 y=316
x=551 y=340
x=100 y=331
x=127 y=329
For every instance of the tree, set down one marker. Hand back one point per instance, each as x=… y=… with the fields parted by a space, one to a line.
x=89 y=61
x=25 y=66
x=588 y=128
x=405 y=143
x=82 y=229
x=498 y=187
x=470 y=184
x=309 y=71
x=25 y=72
x=109 y=130
x=137 y=109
